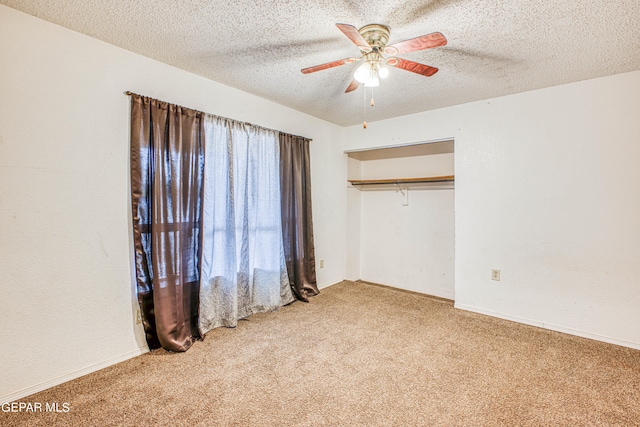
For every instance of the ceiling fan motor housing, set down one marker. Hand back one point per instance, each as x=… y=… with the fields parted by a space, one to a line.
x=377 y=35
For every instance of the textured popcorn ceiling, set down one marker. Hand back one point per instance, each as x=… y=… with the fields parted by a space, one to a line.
x=496 y=47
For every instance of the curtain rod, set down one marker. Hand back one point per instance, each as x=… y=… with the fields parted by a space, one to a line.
x=129 y=93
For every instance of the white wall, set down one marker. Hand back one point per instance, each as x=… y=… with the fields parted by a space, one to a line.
x=354 y=171
x=68 y=299
x=409 y=247
x=418 y=166
x=546 y=191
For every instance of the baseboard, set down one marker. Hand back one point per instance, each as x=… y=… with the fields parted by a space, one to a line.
x=550 y=327
x=410 y=291
x=71 y=376
x=328 y=284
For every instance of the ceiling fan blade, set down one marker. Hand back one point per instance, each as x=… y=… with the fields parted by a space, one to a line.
x=352 y=86
x=427 y=41
x=355 y=36
x=328 y=65
x=414 y=67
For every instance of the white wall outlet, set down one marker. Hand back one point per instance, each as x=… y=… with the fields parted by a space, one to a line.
x=321 y=263
x=495 y=275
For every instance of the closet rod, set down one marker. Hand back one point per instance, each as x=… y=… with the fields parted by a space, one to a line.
x=397 y=181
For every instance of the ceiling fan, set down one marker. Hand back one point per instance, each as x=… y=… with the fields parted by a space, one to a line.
x=372 y=41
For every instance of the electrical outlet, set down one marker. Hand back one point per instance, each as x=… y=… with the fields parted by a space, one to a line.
x=321 y=263
x=495 y=275
x=138 y=317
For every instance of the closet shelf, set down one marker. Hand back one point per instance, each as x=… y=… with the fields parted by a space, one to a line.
x=396 y=181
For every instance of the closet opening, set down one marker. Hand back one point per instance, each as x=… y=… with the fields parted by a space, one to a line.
x=401 y=216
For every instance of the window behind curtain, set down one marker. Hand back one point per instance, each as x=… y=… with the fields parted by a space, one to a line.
x=243 y=268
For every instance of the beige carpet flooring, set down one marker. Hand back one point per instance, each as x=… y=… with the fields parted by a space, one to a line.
x=361 y=355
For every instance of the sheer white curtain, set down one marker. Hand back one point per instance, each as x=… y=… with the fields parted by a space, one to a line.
x=243 y=266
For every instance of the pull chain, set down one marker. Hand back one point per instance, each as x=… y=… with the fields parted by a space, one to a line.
x=364 y=110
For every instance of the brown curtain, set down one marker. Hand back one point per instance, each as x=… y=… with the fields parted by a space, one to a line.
x=297 y=223
x=167 y=163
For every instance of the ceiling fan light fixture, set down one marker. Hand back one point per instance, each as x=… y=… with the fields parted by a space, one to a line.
x=369 y=74
x=363 y=73
x=383 y=72
x=373 y=80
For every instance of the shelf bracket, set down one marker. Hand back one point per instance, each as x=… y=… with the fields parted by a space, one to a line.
x=405 y=194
